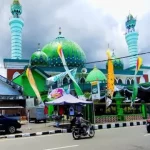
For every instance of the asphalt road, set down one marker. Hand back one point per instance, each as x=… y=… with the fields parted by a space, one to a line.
x=129 y=138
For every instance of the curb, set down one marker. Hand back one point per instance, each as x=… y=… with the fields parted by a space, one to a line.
x=96 y=127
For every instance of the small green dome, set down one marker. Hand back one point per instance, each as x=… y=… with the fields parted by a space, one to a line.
x=118 y=64
x=95 y=75
x=39 y=58
x=73 y=53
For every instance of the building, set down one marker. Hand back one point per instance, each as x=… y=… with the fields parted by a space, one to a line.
x=12 y=100
x=45 y=62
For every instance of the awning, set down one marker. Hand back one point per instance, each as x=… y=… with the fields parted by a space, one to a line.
x=67 y=99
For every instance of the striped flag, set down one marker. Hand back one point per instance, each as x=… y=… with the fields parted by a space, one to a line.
x=139 y=63
x=33 y=84
x=110 y=75
x=77 y=88
x=135 y=86
x=108 y=102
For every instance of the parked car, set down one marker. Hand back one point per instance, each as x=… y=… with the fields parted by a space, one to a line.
x=148 y=125
x=9 y=125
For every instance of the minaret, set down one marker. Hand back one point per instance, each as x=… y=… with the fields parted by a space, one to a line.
x=132 y=39
x=16 y=25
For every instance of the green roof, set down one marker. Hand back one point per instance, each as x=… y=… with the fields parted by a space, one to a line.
x=142 y=67
x=73 y=53
x=16 y=60
x=95 y=75
x=39 y=58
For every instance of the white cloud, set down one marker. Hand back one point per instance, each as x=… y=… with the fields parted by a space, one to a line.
x=120 y=8
x=91 y=23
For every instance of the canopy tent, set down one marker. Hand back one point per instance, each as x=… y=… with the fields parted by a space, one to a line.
x=67 y=99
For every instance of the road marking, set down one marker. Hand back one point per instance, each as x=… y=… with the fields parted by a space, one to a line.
x=31 y=137
x=72 y=146
x=146 y=134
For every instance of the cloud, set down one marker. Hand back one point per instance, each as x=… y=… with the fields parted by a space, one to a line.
x=91 y=23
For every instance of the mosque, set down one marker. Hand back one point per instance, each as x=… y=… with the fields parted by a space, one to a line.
x=45 y=62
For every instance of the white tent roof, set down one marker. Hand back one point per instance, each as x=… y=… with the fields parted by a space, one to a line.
x=67 y=99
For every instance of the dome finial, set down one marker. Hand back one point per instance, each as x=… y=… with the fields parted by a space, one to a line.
x=59 y=30
x=113 y=53
x=39 y=47
x=16 y=9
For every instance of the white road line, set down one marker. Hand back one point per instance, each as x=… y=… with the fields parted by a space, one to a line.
x=147 y=135
x=72 y=146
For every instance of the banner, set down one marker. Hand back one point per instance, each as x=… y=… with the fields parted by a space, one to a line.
x=95 y=90
x=77 y=88
x=110 y=76
x=53 y=79
x=108 y=102
x=135 y=86
x=33 y=84
x=56 y=93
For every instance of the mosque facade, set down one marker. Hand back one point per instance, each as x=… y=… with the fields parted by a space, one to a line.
x=46 y=61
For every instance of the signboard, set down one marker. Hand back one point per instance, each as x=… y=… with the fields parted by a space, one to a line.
x=30 y=102
x=95 y=90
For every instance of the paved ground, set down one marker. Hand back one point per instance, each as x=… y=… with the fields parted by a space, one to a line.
x=128 y=138
x=32 y=127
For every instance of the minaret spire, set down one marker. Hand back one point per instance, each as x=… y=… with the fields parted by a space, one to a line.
x=16 y=9
x=108 y=45
x=131 y=37
x=16 y=25
x=39 y=47
x=59 y=30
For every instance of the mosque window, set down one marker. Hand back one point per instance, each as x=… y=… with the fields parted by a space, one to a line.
x=82 y=80
x=142 y=80
x=65 y=80
x=116 y=81
x=128 y=82
x=132 y=81
x=119 y=81
x=16 y=74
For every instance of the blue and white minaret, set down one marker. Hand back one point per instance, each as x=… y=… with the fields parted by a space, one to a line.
x=16 y=25
x=132 y=39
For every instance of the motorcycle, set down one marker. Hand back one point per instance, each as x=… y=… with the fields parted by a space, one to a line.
x=78 y=132
x=148 y=125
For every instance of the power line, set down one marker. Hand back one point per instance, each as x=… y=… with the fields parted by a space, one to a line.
x=117 y=58
x=105 y=59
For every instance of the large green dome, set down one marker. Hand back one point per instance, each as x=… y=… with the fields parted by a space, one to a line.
x=73 y=53
x=118 y=64
x=39 y=58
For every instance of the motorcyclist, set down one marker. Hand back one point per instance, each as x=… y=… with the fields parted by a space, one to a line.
x=82 y=122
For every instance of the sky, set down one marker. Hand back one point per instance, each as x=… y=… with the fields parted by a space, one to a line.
x=91 y=23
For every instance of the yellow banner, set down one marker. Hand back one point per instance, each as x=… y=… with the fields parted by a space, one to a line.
x=33 y=84
x=110 y=75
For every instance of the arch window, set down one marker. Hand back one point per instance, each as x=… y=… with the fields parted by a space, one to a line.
x=82 y=80
x=132 y=81
x=128 y=82
x=65 y=80
x=116 y=81
x=16 y=74
x=142 y=80
x=119 y=81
